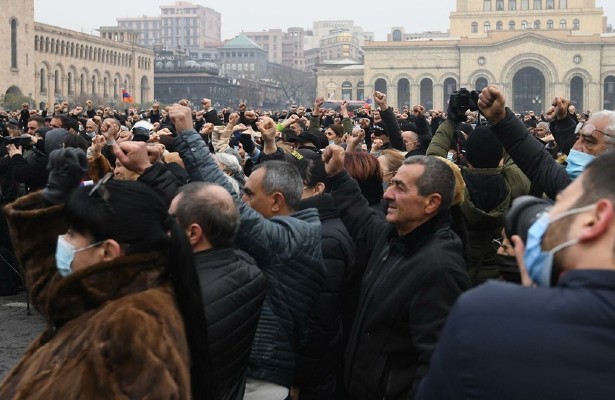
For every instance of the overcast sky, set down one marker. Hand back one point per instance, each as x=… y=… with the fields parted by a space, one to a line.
x=238 y=15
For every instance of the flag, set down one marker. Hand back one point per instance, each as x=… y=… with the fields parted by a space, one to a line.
x=126 y=97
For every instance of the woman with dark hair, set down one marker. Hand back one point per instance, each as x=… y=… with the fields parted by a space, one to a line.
x=121 y=297
x=320 y=357
x=365 y=169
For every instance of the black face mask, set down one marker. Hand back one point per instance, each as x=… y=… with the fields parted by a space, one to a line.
x=508 y=268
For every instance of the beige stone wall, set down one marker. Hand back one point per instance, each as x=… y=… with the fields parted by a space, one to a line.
x=89 y=65
x=18 y=80
x=559 y=57
x=44 y=51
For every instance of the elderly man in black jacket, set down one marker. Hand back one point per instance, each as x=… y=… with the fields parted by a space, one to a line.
x=232 y=286
x=594 y=138
x=286 y=246
x=414 y=275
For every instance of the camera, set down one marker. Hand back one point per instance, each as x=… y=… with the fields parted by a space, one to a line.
x=23 y=141
x=463 y=100
x=525 y=210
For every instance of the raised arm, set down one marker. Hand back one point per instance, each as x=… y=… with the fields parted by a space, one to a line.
x=390 y=122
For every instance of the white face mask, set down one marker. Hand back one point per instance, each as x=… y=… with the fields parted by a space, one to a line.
x=65 y=253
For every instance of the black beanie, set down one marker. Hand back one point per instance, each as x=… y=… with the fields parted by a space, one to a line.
x=483 y=149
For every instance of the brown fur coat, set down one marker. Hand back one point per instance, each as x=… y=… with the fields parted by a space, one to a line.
x=114 y=331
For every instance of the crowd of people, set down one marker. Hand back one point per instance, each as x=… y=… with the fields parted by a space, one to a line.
x=188 y=252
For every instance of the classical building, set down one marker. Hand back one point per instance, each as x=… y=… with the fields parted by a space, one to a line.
x=181 y=24
x=49 y=64
x=533 y=49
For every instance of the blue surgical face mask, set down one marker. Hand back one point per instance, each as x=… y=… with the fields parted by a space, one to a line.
x=539 y=263
x=577 y=161
x=65 y=253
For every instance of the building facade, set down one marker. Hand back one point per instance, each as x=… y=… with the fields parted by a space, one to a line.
x=285 y=48
x=533 y=49
x=180 y=25
x=50 y=64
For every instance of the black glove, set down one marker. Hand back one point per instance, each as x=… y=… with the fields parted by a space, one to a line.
x=457 y=116
x=246 y=141
x=67 y=167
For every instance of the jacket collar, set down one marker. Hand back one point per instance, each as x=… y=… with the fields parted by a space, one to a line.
x=422 y=234
x=323 y=203
x=592 y=278
x=86 y=290
x=221 y=256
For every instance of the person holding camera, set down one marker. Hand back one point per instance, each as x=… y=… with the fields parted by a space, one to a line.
x=554 y=338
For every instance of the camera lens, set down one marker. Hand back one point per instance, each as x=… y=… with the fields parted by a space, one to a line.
x=524 y=212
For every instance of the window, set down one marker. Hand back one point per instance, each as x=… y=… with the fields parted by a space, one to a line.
x=499 y=26
x=511 y=25
x=550 y=24
x=474 y=27
x=397 y=35
x=550 y=4
x=537 y=4
x=525 y=4
x=512 y=5
x=480 y=84
x=575 y=24
x=13 y=43
x=486 y=27
x=43 y=83
x=487 y=5
x=562 y=24
x=537 y=24
x=499 y=5
x=563 y=4
x=524 y=24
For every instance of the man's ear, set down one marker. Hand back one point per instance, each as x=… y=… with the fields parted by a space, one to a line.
x=319 y=188
x=432 y=203
x=598 y=222
x=195 y=234
x=111 y=250
x=278 y=202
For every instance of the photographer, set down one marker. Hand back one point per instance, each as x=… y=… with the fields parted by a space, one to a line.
x=553 y=341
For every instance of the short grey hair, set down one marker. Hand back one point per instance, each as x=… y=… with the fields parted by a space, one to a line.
x=437 y=178
x=283 y=177
x=610 y=128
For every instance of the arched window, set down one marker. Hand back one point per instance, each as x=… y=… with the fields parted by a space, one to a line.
x=360 y=90
x=486 y=26
x=511 y=25
x=450 y=86
x=499 y=26
x=427 y=93
x=43 y=83
x=13 y=43
x=562 y=24
x=512 y=5
x=380 y=85
x=105 y=87
x=346 y=90
x=609 y=93
x=537 y=24
x=524 y=24
x=576 y=92
x=82 y=84
x=474 y=27
x=36 y=43
x=397 y=35
x=575 y=24
x=550 y=24
x=70 y=83
x=57 y=84
x=403 y=93
x=481 y=83
x=94 y=84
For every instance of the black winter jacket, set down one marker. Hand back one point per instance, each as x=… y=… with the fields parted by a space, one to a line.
x=409 y=287
x=233 y=290
x=531 y=156
x=31 y=171
x=318 y=359
x=287 y=249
